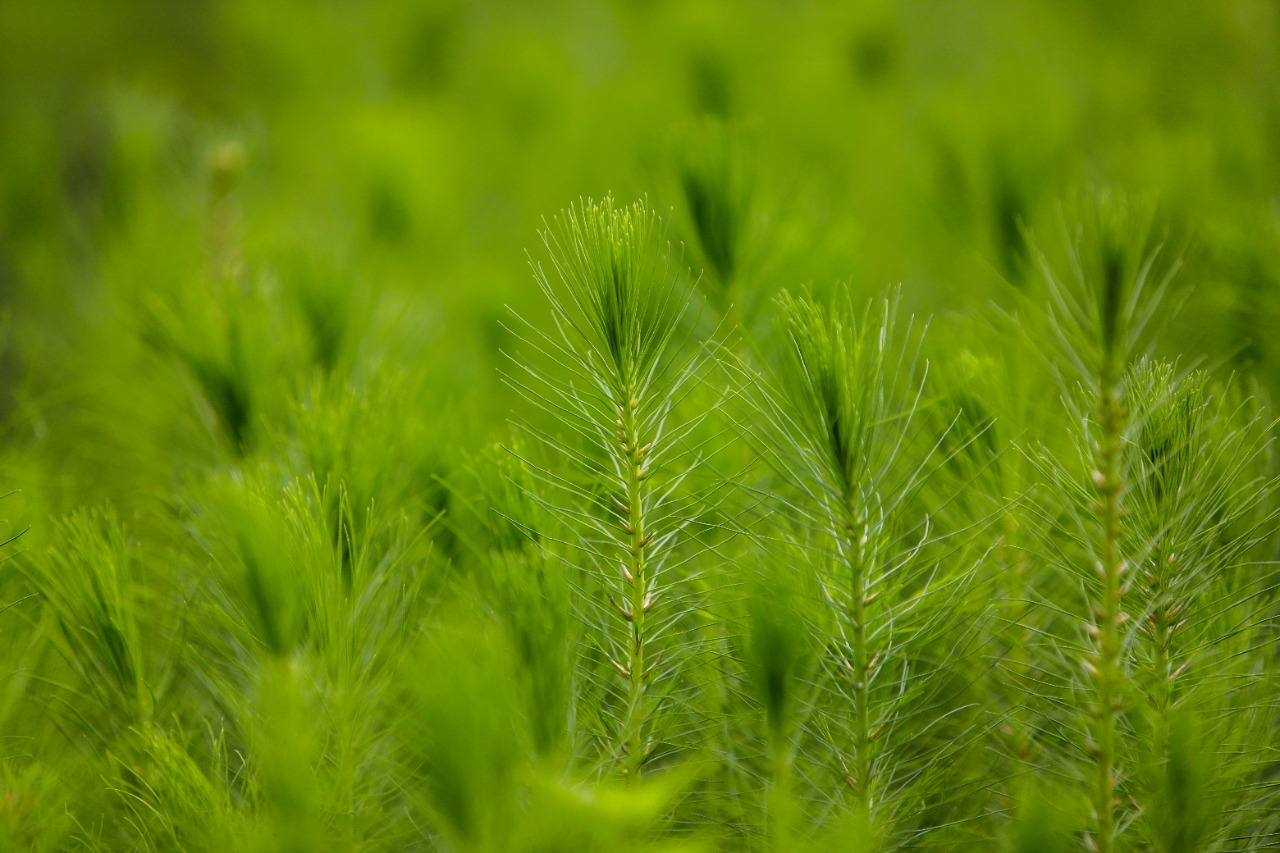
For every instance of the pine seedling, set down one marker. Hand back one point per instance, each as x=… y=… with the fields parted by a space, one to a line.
x=91 y=588
x=1178 y=524
x=1201 y=509
x=252 y=627
x=173 y=803
x=306 y=593
x=615 y=474
x=841 y=432
x=369 y=441
x=298 y=570
x=1198 y=514
x=1100 y=312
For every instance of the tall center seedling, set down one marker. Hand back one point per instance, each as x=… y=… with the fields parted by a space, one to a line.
x=839 y=428
x=615 y=468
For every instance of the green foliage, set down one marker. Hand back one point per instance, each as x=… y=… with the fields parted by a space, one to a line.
x=899 y=596
x=345 y=532
x=621 y=476
x=92 y=592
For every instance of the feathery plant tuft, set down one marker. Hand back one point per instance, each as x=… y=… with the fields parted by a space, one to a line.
x=1100 y=312
x=1163 y=512
x=92 y=590
x=840 y=429
x=616 y=469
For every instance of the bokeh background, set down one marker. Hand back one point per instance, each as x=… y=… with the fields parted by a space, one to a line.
x=400 y=157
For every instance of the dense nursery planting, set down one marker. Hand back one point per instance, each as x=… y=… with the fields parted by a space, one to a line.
x=707 y=426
